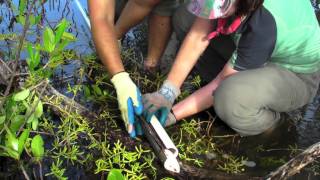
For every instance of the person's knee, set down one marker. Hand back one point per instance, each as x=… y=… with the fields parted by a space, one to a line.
x=235 y=105
x=226 y=100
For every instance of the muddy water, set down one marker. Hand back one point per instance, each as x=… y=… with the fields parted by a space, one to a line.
x=299 y=134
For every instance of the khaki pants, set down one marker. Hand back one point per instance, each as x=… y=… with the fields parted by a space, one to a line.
x=250 y=101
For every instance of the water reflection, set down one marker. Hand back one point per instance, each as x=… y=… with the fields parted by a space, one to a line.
x=309 y=126
x=52 y=12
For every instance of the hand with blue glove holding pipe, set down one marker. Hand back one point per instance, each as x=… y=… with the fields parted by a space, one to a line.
x=129 y=100
x=159 y=103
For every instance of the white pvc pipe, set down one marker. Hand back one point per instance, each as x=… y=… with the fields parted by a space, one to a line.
x=83 y=13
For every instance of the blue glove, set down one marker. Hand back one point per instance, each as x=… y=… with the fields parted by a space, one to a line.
x=160 y=102
x=129 y=100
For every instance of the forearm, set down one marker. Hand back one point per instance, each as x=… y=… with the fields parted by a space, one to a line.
x=107 y=47
x=203 y=98
x=104 y=36
x=192 y=47
x=197 y=102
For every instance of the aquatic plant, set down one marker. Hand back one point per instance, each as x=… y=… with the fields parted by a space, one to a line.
x=127 y=161
x=232 y=164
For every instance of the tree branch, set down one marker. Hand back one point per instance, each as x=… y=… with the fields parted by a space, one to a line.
x=296 y=164
x=17 y=57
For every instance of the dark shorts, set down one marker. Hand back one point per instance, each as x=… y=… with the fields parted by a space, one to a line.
x=164 y=8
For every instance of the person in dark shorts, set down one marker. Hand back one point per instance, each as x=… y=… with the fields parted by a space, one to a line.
x=106 y=34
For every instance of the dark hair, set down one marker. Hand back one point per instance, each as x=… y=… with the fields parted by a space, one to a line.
x=245 y=7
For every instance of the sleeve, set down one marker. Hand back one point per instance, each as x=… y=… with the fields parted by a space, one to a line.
x=256 y=43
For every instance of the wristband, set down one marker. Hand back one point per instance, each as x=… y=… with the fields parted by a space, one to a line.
x=169 y=91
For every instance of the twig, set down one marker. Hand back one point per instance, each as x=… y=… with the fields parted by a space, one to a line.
x=21 y=40
x=5 y=65
x=296 y=164
x=24 y=172
x=44 y=133
x=40 y=170
x=22 y=74
x=65 y=103
x=226 y=136
x=209 y=127
x=37 y=85
x=286 y=149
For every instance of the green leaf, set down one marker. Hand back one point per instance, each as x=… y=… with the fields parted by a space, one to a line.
x=37 y=19
x=16 y=122
x=30 y=65
x=105 y=93
x=32 y=20
x=21 y=19
x=35 y=123
x=34 y=55
x=86 y=91
x=22 y=140
x=55 y=60
x=37 y=147
x=2 y=119
x=36 y=59
x=30 y=50
x=61 y=27
x=9 y=152
x=38 y=47
x=48 y=40
x=97 y=90
x=68 y=36
x=30 y=60
x=39 y=108
x=10 y=107
x=22 y=95
x=115 y=174
x=31 y=118
x=11 y=141
x=62 y=44
x=22 y=6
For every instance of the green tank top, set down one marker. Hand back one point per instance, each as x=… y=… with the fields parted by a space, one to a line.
x=284 y=32
x=297 y=46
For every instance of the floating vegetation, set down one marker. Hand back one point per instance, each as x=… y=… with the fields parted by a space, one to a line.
x=232 y=164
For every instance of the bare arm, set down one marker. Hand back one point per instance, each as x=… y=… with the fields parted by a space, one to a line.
x=104 y=36
x=192 y=47
x=202 y=98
